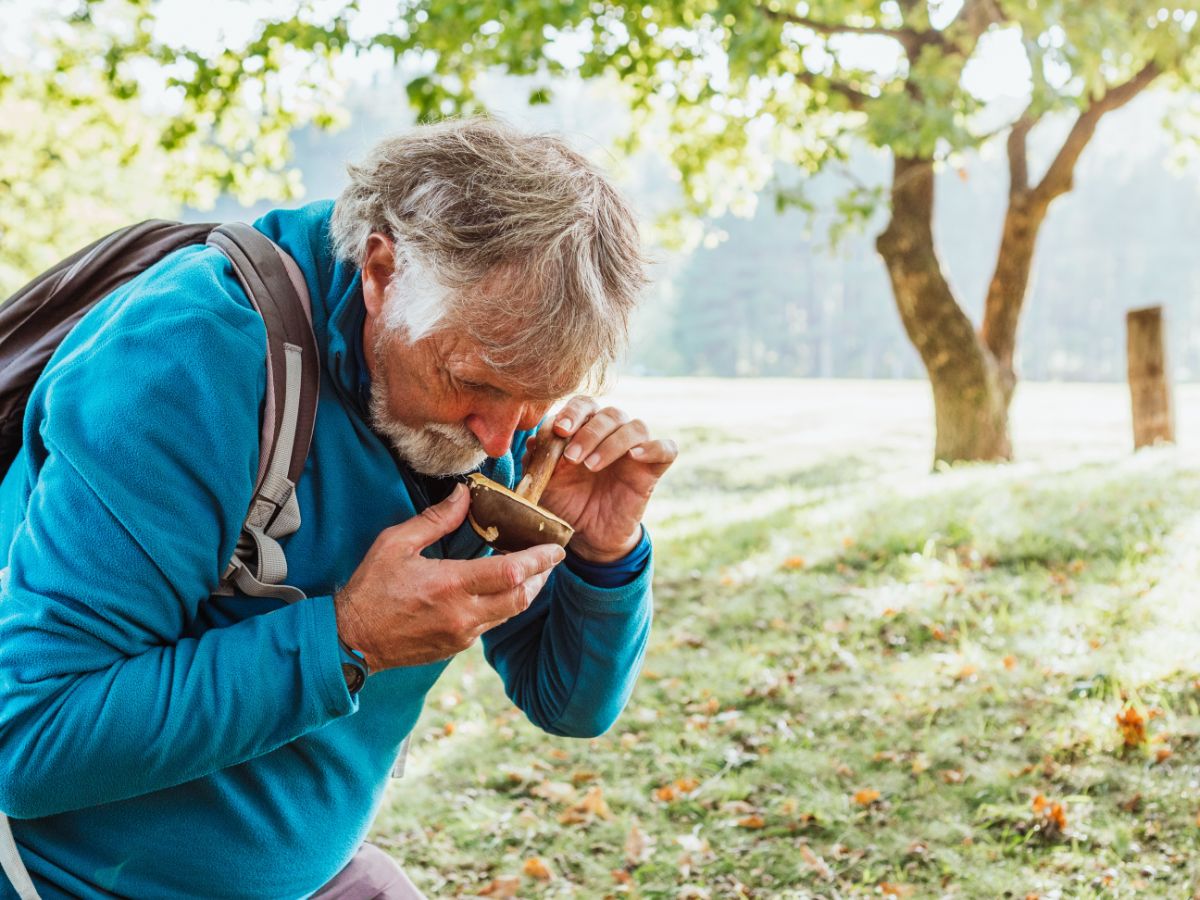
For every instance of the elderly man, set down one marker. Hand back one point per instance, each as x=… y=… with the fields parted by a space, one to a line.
x=157 y=740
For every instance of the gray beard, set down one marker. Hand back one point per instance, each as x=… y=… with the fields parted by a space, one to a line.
x=434 y=449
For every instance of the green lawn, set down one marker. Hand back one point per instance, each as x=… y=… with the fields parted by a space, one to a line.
x=865 y=679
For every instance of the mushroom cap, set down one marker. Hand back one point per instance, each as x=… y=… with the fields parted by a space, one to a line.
x=508 y=521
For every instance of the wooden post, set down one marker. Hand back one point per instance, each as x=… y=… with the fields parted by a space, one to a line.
x=1149 y=388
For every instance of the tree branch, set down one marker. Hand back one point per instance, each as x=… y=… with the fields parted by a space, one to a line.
x=1059 y=178
x=1018 y=152
x=905 y=36
x=856 y=98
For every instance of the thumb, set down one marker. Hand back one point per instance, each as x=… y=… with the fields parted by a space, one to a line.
x=435 y=521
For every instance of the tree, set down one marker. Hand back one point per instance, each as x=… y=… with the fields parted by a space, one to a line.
x=103 y=121
x=734 y=88
x=744 y=84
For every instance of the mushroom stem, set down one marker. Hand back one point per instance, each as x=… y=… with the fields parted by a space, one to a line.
x=542 y=460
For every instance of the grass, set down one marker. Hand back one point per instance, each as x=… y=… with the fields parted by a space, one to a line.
x=865 y=679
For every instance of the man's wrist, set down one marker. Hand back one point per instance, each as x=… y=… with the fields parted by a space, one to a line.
x=602 y=557
x=615 y=573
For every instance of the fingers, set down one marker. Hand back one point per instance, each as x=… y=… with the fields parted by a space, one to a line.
x=495 y=609
x=500 y=574
x=574 y=414
x=434 y=522
x=606 y=436
x=656 y=453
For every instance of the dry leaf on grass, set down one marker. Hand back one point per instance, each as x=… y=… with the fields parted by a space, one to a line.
x=896 y=890
x=505 y=887
x=534 y=867
x=555 y=791
x=1132 y=727
x=794 y=562
x=814 y=862
x=754 y=821
x=866 y=796
x=592 y=806
x=637 y=845
x=1053 y=815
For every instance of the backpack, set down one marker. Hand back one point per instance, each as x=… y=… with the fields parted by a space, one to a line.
x=34 y=321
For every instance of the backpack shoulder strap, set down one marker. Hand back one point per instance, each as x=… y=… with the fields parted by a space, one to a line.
x=277 y=289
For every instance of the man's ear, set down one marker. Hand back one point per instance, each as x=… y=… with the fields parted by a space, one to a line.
x=377 y=268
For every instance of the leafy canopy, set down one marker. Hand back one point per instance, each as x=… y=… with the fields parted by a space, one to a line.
x=108 y=115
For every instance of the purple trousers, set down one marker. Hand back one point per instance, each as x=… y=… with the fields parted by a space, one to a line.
x=370 y=875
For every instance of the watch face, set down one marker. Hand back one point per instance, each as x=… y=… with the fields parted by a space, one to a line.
x=354 y=677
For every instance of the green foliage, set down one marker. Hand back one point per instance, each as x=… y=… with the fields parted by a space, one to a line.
x=730 y=88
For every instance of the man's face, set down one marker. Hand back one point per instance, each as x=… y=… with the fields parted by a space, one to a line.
x=443 y=410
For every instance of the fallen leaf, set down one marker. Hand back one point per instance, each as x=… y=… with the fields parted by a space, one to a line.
x=1162 y=754
x=448 y=729
x=535 y=868
x=794 y=562
x=952 y=776
x=967 y=671
x=554 y=791
x=583 y=777
x=815 y=863
x=754 y=821
x=896 y=890
x=866 y=796
x=637 y=846
x=1132 y=727
x=1010 y=662
x=620 y=876
x=507 y=886
x=592 y=806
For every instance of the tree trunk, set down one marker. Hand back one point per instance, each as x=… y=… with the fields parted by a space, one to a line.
x=1149 y=388
x=1009 y=285
x=969 y=397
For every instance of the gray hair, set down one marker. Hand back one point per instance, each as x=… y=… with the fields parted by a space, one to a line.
x=536 y=253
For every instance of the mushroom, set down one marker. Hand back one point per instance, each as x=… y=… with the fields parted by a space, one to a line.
x=512 y=520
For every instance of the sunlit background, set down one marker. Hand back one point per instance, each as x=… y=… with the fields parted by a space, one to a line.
x=870 y=676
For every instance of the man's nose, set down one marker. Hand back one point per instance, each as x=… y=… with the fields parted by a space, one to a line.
x=494 y=427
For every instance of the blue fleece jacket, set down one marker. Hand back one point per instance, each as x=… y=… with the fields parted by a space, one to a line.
x=158 y=741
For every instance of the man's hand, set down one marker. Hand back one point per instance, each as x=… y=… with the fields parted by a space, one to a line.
x=401 y=609
x=605 y=478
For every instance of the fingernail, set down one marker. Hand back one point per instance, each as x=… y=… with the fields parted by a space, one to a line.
x=457 y=492
x=564 y=424
x=592 y=461
x=573 y=453
x=559 y=555
x=637 y=452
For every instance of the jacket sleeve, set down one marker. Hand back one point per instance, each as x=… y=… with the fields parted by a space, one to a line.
x=141 y=459
x=570 y=661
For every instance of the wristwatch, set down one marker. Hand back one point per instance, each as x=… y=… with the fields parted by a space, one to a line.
x=354 y=667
